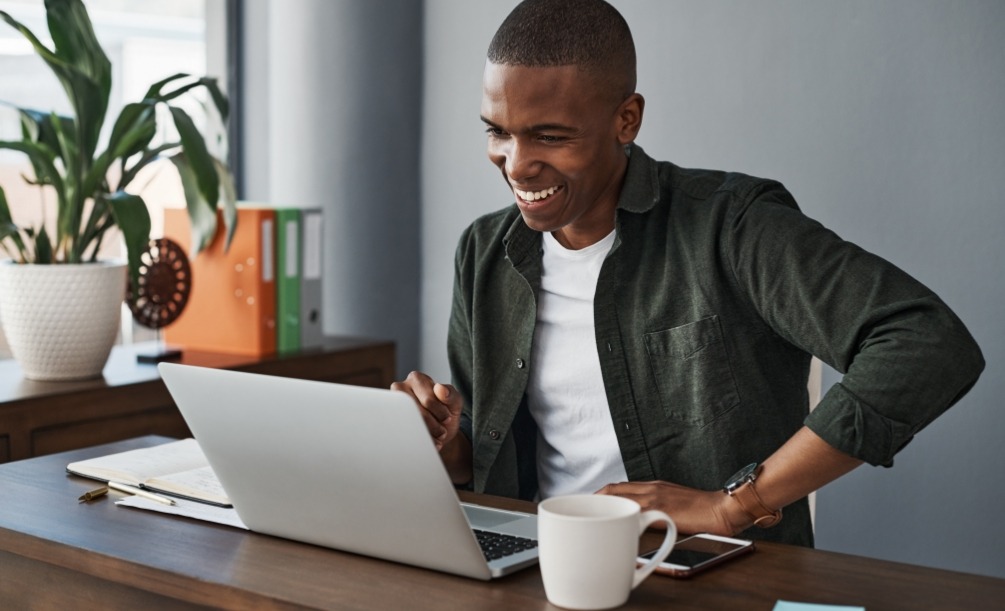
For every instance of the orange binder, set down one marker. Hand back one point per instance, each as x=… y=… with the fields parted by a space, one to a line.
x=232 y=306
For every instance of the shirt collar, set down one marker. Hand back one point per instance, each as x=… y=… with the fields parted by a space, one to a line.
x=641 y=190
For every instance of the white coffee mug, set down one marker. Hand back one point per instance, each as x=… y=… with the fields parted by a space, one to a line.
x=588 y=544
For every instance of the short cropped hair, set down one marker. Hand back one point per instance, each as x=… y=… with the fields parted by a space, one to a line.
x=590 y=34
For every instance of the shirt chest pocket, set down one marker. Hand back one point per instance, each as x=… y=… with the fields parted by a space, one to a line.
x=692 y=372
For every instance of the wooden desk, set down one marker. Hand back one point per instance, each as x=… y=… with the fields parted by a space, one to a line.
x=56 y=553
x=129 y=400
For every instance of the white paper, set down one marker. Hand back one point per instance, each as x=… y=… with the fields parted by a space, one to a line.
x=200 y=483
x=189 y=509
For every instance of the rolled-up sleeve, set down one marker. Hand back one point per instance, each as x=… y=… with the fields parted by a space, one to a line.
x=905 y=356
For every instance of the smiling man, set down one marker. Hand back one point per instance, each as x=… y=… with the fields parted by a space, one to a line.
x=634 y=328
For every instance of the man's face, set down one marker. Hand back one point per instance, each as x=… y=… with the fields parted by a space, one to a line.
x=559 y=142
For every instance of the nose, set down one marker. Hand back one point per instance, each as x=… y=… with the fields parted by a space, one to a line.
x=516 y=159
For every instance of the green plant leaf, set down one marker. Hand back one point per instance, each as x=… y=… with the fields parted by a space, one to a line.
x=78 y=62
x=199 y=159
x=228 y=197
x=135 y=127
x=149 y=156
x=219 y=99
x=42 y=159
x=43 y=51
x=133 y=219
x=8 y=230
x=43 y=247
x=200 y=212
x=39 y=127
x=154 y=92
x=78 y=47
x=68 y=217
x=99 y=221
x=209 y=82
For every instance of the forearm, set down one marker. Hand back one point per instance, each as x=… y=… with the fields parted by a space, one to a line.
x=804 y=464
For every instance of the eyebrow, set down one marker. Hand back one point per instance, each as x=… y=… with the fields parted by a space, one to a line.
x=540 y=127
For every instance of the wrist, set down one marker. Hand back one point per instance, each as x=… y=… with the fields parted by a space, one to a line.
x=456 y=457
x=747 y=502
x=732 y=516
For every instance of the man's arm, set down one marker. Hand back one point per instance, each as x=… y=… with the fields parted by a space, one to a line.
x=805 y=463
x=440 y=406
x=456 y=457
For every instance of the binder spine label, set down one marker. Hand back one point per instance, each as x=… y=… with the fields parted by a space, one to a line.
x=267 y=252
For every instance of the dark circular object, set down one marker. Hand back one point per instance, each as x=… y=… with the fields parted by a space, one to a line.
x=164 y=285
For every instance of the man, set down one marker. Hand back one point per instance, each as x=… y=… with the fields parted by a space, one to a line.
x=639 y=329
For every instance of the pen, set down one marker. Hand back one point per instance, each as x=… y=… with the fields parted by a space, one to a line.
x=93 y=494
x=139 y=492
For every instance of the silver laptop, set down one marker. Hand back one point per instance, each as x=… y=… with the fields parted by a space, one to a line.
x=345 y=467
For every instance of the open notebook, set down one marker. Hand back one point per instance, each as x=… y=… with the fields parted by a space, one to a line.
x=178 y=468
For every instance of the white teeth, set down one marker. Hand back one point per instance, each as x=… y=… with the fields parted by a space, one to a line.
x=532 y=196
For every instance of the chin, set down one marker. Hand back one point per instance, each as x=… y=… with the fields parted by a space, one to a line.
x=538 y=225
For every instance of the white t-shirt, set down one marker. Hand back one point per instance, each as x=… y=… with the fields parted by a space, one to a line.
x=577 y=449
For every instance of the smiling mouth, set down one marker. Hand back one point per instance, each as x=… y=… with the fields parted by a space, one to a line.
x=536 y=196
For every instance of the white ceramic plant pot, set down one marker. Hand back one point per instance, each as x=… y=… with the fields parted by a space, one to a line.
x=61 y=320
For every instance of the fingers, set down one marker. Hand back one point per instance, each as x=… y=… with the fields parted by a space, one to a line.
x=692 y=510
x=627 y=489
x=447 y=396
x=423 y=389
x=642 y=493
x=649 y=495
x=440 y=404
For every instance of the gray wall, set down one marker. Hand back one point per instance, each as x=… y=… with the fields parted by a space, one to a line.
x=332 y=116
x=885 y=119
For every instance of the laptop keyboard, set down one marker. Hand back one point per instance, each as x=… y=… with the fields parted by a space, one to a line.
x=497 y=545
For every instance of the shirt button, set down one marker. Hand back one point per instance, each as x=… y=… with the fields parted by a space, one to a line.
x=519 y=363
x=494 y=434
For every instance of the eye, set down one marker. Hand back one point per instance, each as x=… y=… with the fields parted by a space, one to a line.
x=549 y=139
x=494 y=132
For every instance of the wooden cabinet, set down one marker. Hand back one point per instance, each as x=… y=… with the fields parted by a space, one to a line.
x=130 y=399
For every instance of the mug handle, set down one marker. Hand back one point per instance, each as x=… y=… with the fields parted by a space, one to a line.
x=645 y=519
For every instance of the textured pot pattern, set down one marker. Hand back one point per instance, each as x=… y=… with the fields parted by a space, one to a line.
x=61 y=320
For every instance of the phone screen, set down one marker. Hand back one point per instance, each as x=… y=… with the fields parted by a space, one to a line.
x=694 y=551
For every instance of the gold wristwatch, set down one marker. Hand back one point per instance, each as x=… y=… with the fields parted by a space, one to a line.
x=741 y=488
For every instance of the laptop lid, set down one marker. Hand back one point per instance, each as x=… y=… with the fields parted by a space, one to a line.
x=345 y=467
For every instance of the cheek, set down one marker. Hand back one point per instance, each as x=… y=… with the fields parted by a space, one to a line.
x=576 y=169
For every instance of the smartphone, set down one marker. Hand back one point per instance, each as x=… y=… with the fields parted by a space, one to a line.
x=697 y=553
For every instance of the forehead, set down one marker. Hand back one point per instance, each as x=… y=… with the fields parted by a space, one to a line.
x=538 y=94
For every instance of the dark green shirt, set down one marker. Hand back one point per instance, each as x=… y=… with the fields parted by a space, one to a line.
x=715 y=294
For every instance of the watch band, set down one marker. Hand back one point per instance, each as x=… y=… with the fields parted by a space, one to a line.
x=746 y=495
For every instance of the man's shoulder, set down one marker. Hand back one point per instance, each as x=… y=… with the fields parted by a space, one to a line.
x=649 y=182
x=704 y=184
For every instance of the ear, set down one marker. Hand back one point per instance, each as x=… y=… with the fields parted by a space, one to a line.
x=629 y=118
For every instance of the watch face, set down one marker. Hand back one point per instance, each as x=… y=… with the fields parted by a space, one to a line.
x=741 y=476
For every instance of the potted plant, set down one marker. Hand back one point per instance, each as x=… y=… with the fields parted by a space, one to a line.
x=89 y=180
